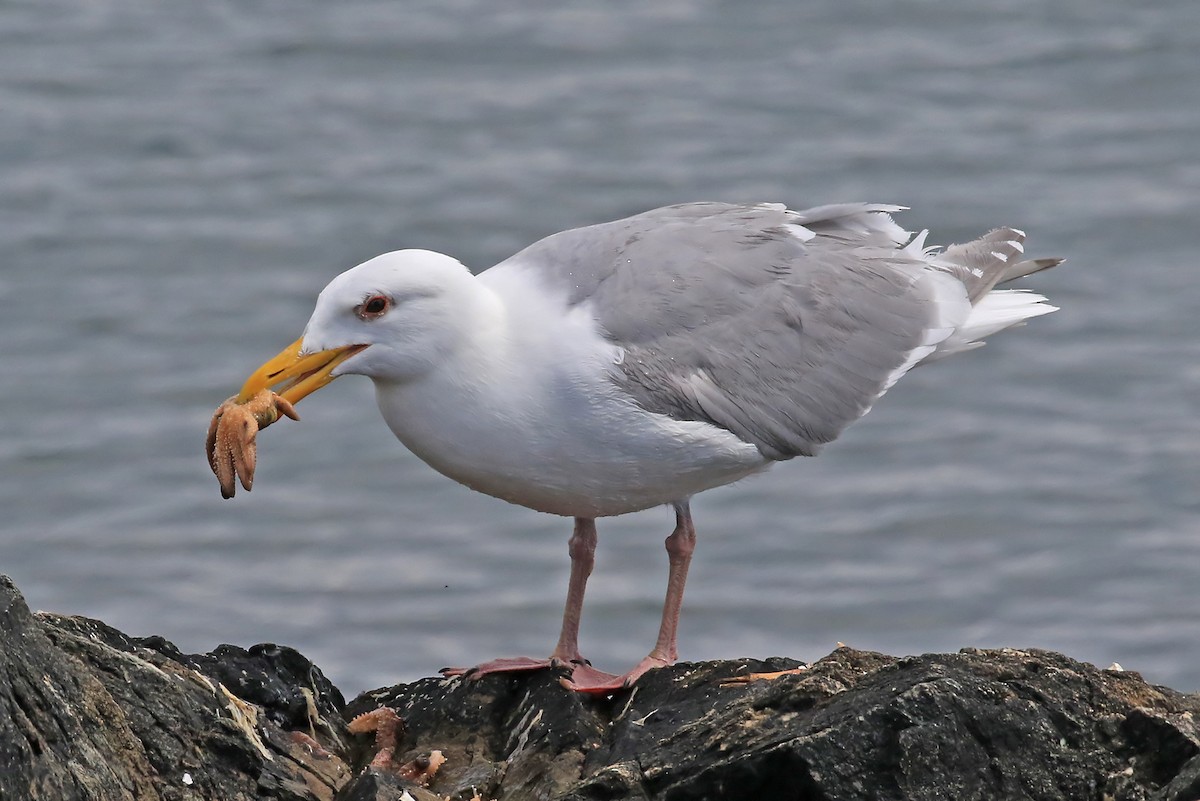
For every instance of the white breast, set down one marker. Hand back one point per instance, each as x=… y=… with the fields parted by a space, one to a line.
x=525 y=411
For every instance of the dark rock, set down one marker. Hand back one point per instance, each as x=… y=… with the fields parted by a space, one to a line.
x=89 y=713
x=375 y=784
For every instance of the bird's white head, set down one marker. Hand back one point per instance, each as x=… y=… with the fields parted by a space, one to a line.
x=393 y=318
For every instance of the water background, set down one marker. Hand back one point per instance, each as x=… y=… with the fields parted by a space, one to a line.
x=179 y=180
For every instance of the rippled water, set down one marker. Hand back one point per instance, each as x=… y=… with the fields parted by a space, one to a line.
x=180 y=180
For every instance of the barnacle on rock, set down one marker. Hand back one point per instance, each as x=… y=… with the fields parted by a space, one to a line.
x=422 y=768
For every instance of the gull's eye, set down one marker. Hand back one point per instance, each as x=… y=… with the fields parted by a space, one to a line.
x=373 y=307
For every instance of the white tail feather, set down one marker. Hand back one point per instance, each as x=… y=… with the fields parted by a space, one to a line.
x=995 y=311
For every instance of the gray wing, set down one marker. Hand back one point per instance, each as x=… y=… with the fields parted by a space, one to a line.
x=782 y=327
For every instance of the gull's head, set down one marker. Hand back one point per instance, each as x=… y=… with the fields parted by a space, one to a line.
x=394 y=317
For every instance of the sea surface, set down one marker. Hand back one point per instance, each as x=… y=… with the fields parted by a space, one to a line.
x=179 y=180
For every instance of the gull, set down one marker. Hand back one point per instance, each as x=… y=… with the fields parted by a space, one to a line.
x=632 y=364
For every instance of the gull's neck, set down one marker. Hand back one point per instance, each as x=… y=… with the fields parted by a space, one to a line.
x=518 y=365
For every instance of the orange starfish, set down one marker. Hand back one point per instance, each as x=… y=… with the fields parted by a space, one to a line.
x=389 y=729
x=232 y=452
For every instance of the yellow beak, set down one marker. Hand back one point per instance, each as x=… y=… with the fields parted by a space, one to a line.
x=304 y=373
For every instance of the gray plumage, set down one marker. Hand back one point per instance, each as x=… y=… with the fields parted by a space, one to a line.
x=780 y=326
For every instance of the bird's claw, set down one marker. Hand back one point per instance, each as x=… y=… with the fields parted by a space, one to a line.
x=231 y=447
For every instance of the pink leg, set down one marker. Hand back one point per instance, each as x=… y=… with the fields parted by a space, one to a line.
x=680 y=546
x=582 y=548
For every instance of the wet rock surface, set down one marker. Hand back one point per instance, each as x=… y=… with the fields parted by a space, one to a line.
x=87 y=712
